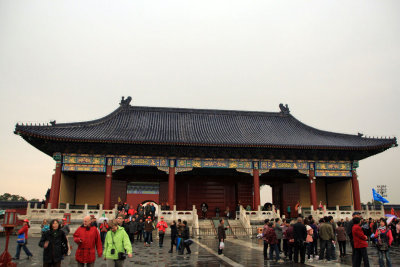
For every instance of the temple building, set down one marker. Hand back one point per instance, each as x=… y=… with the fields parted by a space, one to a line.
x=184 y=157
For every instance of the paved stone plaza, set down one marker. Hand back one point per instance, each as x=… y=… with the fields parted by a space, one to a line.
x=237 y=253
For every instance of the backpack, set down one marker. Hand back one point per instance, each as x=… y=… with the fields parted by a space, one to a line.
x=382 y=241
x=309 y=238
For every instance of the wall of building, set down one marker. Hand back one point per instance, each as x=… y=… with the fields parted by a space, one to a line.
x=67 y=189
x=90 y=189
x=135 y=199
x=340 y=193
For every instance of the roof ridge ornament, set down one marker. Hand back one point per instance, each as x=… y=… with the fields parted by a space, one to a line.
x=284 y=109
x=125 y=102
x=53 y=123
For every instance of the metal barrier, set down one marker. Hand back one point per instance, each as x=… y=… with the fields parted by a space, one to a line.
x=204 y=232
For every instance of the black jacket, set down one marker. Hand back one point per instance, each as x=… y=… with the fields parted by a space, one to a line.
x=174 y=231
x=140 y=226
x=221 y=232
x=133 y=227
x=185 y=233
x=299 y=232
x=349 y=230
x=57 y=246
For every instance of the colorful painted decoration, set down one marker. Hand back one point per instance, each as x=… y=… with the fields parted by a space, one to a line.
x=333 y=173
x=83 y=168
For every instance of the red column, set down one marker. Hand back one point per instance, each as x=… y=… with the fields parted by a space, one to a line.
x=356 y=191
x=50 y=200
x=256 y=179
x=171 y=184
x=107 y=187
x=55 y=187
x=313 y=189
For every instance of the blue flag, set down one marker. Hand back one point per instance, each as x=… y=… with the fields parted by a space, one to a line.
x=378 y=197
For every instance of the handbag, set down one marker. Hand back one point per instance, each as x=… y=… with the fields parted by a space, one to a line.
x=21 y=238
x=382 y=243
x=121 y=255
x=221 y=245
x=188 y=242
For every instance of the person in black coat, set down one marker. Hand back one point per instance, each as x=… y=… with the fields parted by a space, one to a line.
x=174 y=235
x=132 y=227
x=300 y=235
x=55 y=245
x=185 y=236
x=140 y=228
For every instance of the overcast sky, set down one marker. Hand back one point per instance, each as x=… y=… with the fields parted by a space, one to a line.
x=336 y=63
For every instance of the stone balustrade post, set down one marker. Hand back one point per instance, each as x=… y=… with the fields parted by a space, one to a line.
x=48 y=213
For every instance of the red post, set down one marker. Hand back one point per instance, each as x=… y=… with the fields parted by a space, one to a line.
x=256 y=179
x=55 y=187
x=356 y=191
x=107 y=187
x=51 y=190
x=171 y=184
x=313 y=189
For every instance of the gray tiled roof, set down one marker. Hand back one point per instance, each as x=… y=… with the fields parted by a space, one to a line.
x=198 y=127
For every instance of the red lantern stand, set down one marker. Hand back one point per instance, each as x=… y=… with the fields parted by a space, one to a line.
x=67 y=216
x=9 y=223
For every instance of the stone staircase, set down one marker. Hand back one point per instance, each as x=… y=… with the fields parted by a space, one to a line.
x=206 y=228
x=237 y=229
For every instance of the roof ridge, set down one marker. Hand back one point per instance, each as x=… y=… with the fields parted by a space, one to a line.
x=206 y=111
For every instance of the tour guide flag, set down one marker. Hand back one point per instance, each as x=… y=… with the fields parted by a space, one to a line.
x=378 y=197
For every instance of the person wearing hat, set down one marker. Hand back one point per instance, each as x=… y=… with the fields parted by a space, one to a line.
x=161 y=226
x=349 y=230
x=23 y=230
x=148 y=229
x=104 y=227
x=66 y=230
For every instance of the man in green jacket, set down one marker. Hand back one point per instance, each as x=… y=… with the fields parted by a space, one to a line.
x=116 y=245
x=326 y=237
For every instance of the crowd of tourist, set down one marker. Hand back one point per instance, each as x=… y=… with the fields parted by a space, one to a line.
x=110 y=239
x=305 y=238
x=294 y=240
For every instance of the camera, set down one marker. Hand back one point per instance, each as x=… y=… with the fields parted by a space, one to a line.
x=121 y=256
x=112 y=251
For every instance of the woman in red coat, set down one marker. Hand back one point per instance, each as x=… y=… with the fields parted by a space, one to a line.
x=23 y=230
x=88 y=238
x=360 y=244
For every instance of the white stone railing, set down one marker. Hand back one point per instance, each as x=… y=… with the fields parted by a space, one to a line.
x=260 y=215
x=245 y=220
x=38 y=214
x=338 y=214
x=184 y=215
